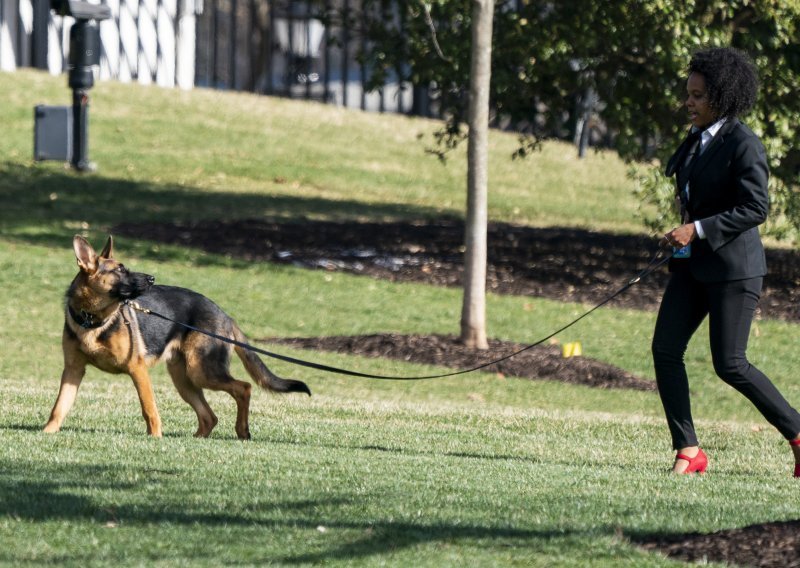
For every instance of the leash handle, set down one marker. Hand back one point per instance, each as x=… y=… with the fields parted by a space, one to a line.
x=649 y=269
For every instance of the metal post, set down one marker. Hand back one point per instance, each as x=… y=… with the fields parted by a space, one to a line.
x=307 y=20
x=41 y=16
x=232 y=40
x=362 y=67
x=327 y=56
x=80 y=131
x=84 y=53
x=345 y=50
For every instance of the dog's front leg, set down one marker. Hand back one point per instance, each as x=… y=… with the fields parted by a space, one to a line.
x=144 y=388
x=71 y=379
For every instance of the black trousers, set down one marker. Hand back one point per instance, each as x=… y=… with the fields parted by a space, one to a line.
x=730 y=307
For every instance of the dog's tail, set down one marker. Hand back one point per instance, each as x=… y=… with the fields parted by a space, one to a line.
x=261 y=374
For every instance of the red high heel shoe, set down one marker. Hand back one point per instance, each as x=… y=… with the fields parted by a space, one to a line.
x=797 y=465
x=698 y=463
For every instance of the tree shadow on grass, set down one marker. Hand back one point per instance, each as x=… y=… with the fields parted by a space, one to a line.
x=41 y=493
x=37 y=493
x=44 y=206
x=382 y=538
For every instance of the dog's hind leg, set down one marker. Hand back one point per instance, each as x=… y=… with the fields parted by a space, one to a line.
x=144 y=388
x=207 y=366
x=206 y=419
x=240 y=391
x=70 y=381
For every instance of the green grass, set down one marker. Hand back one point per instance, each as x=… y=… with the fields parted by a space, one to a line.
x=472 y=470
x=341 y=483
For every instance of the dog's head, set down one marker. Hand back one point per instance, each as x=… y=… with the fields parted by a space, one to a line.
x=104 y=275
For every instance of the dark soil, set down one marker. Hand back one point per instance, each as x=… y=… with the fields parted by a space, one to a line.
x=561 y=264
x=770 y=545
x=540 y=362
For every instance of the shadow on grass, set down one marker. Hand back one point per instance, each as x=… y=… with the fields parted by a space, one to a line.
x=45 y=206
x=41 y=493
x=381 y=538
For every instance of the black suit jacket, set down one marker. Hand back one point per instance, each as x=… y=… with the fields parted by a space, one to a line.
x=728 y=195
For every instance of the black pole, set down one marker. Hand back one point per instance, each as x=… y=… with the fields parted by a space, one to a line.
x=80 y=131
x=308 y=57
x=214 y=40
x=291 y=71
x=84 y=53
x=327 y=56
x=41 y=18
x=363 y=67
x=345 y=50
x=234 y=7
x=270 y=42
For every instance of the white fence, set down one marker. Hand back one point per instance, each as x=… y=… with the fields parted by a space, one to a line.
x=275 y=47
x=149 y=41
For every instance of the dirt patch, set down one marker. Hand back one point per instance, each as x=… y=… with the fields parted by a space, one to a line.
x=770 y=545
x=540 y=362
x=562 y=264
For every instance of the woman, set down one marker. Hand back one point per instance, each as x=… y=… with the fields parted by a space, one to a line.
x=718 y=267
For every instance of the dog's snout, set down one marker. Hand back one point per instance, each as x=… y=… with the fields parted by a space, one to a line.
x=151 y=279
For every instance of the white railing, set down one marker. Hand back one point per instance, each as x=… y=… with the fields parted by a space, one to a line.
x=274 y=47
x=149 y=41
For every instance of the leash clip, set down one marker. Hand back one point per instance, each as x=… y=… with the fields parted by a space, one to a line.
x=136 y=307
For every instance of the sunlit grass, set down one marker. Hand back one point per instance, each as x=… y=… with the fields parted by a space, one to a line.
x=245 y=144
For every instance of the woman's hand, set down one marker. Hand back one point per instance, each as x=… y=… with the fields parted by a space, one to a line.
x=681 y=236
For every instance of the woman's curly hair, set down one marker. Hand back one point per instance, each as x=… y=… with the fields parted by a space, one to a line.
x=731 y=79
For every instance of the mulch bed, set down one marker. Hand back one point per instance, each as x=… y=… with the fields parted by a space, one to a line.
x=561 y=264
x=769 y=545
x=540 y=362
x=570 y=265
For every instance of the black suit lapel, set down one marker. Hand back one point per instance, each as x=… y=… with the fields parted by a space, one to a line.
x=688 y=161
x=676 y=161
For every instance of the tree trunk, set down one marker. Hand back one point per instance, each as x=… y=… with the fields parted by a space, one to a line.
x=473 y=311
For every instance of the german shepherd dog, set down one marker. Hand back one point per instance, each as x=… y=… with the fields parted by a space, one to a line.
x=102 y=330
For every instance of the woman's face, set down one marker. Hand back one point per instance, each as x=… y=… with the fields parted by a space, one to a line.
x=700 y=113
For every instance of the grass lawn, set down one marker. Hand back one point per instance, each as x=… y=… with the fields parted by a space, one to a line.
x=473 y=470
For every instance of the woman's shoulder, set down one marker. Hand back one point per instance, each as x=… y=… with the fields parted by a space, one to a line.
x=740 y=136
x=743 y=142
x=740 y=131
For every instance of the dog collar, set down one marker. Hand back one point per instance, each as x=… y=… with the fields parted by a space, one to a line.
x=84 y=318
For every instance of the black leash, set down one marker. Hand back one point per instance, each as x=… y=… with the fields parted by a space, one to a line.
x=649 y=269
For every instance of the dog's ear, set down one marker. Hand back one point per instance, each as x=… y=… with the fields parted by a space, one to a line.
x=108 y=250
x=87 y=258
